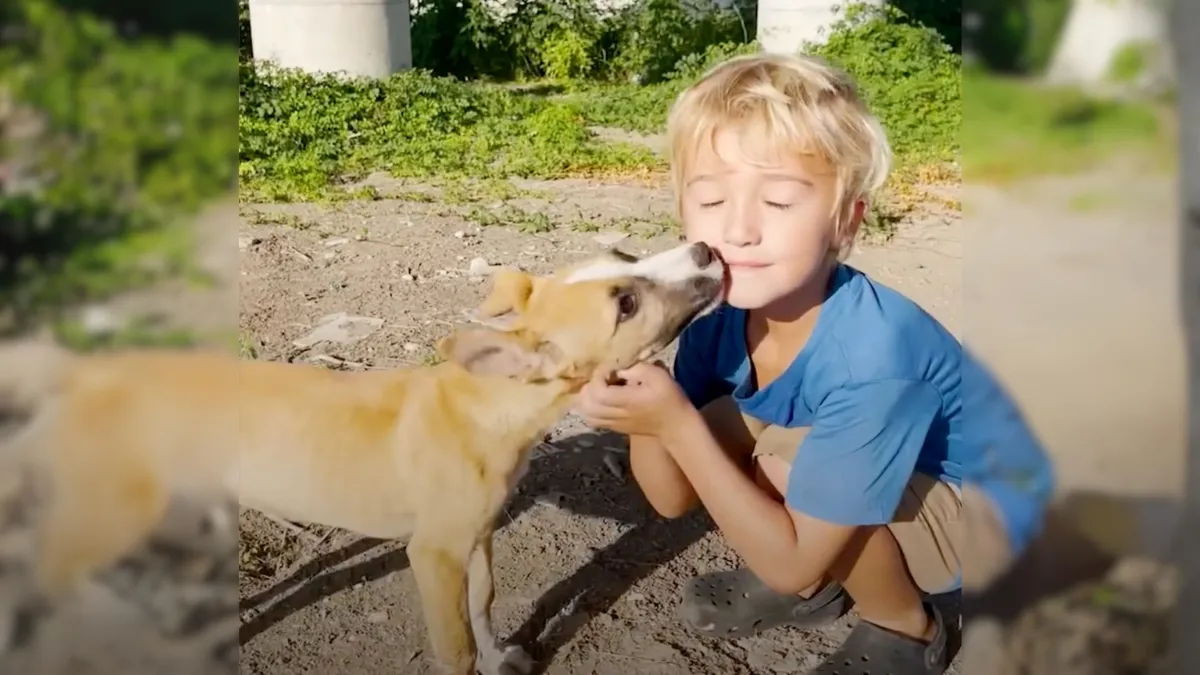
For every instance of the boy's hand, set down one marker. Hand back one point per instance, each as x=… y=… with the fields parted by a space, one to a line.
x=648 y=403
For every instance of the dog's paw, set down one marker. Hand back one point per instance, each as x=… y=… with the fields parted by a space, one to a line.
x=506 y=660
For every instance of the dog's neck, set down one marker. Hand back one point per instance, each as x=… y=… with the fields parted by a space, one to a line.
x=513 y=412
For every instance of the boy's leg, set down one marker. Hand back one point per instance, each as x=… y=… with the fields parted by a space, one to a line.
x=736 y=603
x=885 y=568
x=987 y=554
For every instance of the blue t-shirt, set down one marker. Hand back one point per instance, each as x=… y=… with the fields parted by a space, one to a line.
x=880 y=382
x=1003 y=458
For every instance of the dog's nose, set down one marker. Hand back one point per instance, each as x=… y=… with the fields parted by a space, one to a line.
x=702 y=254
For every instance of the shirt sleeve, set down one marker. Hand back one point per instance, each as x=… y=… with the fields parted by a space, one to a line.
x=695 y=368
x=1004 y=459
x=854 y=465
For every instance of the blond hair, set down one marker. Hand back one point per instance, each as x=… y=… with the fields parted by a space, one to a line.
x=800 y=104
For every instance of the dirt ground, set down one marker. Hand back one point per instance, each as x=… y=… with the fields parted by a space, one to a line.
x=584 y=571
x=1067 y=286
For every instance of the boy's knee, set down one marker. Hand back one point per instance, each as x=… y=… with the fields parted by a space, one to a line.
x=987 y=554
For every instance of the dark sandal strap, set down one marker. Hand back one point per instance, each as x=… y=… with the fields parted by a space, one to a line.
x=874 y=650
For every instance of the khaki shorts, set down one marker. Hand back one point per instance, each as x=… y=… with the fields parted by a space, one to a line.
x=927 y=525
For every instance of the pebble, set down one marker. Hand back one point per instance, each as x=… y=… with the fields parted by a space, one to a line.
x=459 y=234
x=337 y=241
x=478 y=267
x=610 y=238
x=377 y=617
x=411 y=346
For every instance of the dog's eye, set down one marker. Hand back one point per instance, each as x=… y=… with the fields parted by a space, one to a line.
x=627 y=305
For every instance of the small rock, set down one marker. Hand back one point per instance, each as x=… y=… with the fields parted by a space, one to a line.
x=340 y=328
x=337 y=241
x=460 y=234
x=479 y=267
x=377 y=617
x=411 y=347
x=610 y=238
x=555 y=499
x=245 y=242
x=407 y=277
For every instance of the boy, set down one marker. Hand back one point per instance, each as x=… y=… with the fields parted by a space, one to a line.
x=817 y=416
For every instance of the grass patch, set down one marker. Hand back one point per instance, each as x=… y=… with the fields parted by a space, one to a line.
x=1017 y=129
x=303 y=135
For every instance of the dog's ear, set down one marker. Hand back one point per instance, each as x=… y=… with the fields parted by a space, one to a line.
x=508 y=298
x=486 y=351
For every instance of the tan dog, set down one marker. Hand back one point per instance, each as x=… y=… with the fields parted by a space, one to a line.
x=429 y=453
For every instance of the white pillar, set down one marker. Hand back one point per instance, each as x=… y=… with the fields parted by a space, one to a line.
x=359 y=37
x=785 y=25
x=1095 y=32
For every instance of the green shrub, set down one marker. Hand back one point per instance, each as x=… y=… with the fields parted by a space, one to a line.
x=301 y=134
x=134 y=137
x=911 y=79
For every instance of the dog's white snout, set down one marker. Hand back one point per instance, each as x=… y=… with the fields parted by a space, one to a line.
x=673 y=266
x=681 y=264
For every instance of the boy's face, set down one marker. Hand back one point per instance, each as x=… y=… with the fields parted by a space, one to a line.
x=772 y=221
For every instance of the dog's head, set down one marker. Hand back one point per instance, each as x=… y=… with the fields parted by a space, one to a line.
x=606 y=313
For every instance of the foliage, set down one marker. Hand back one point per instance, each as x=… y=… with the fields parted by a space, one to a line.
x=303 y=133
x=911 y=79
x=570 y=39
x=131 y=137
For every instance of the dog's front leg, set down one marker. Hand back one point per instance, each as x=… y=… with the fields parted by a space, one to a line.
x=441 y=575
x=494 y=658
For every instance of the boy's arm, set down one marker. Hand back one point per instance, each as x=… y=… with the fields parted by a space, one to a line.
x=656 y=472
x=660 y=478
x=851 y=471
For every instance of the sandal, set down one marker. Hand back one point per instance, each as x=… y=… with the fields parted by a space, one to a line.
x=873 y=650
x=737 y=604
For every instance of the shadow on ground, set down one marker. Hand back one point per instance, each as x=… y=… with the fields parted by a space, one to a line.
x=573 y=478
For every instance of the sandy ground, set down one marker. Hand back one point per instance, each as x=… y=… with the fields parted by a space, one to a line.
x=1074 y=304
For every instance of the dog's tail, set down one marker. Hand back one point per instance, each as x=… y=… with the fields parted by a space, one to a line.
x=30 y=371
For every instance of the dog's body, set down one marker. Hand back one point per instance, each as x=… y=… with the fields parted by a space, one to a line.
x=430 y=454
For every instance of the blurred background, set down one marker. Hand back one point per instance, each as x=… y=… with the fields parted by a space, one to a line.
x=118 y=227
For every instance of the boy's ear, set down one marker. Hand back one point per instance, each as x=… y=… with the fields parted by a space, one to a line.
x=491 y=352
x=852 y=218
x=507 y=300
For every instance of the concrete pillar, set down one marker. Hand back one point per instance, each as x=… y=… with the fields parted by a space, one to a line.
x=359 y=37
x=785 y=25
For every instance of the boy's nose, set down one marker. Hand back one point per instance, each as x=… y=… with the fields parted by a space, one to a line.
x=741 y=232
